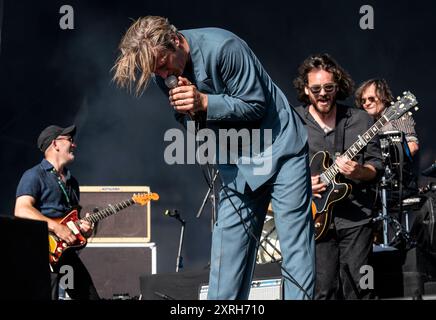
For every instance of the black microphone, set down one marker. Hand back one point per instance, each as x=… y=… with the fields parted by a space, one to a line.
x=171 y=82
x=172 y=213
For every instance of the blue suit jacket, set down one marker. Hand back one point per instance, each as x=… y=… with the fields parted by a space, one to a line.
x=242 y=95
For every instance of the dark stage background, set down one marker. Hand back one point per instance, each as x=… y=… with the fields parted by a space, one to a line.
x=49 y=75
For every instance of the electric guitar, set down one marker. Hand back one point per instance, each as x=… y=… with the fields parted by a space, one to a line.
x=57 y=246
x=321 y=164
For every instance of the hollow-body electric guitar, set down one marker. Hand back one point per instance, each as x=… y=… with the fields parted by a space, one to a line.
x=321 y=164
x=57 y=246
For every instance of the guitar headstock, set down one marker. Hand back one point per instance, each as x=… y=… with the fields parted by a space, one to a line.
x=143 y=198
x=402 y=105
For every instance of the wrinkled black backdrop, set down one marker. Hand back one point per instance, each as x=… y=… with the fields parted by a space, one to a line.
x=49 y=75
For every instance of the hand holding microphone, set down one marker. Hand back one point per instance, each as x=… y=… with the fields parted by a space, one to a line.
x=184 y=97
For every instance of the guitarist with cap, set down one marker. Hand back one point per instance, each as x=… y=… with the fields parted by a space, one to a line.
x=46 y=192
x=343 y=229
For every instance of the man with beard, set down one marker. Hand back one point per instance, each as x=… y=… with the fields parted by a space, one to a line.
x=333 y=127
x=220 y=77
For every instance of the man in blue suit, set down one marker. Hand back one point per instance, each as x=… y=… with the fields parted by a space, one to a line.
x=220 y=79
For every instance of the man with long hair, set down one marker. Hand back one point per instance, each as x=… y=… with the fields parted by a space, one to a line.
x=347 y=242
x=374 y=96
x=220 y=77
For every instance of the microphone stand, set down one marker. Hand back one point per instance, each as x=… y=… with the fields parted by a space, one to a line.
x=179 y=261
x=210 y=194
x=175 y=214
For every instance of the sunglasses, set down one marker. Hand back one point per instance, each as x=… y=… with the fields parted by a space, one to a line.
x=68 y=139
x=328 y=88
x=370 y=100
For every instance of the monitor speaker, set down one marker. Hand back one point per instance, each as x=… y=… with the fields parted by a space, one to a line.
x=115 y=268
x=130 y=225
x=24 y=269
x=265 y=289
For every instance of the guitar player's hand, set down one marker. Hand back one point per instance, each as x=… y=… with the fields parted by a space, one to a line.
x=63 y=232
x=317 y=186
x=353 y=170
x=86 y=227
x=349 y=168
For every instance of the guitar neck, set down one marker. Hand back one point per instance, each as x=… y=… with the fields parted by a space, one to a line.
x=354 y=149
x=110 y=210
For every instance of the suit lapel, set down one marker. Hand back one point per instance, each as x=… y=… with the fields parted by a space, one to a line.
x=202 y=80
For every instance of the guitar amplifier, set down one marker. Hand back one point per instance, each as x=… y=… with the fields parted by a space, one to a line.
x=130 y=225
x=115 y=268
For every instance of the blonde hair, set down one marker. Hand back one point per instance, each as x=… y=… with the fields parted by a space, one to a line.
x=139 y=47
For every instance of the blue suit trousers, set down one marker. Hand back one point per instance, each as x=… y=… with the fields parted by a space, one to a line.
x=240 y=221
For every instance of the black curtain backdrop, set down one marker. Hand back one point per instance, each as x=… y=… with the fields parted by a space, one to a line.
x=49 y=75
x=1 y=23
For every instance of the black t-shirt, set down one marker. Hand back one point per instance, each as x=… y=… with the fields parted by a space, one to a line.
x=357 y=209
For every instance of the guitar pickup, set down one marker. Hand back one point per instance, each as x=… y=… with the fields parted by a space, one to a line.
x=73 y=227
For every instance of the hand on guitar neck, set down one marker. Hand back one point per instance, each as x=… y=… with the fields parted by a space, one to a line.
x=71 y=232
x=353 y=170
x=86 y=227
x=327 y=189
x=349 y=169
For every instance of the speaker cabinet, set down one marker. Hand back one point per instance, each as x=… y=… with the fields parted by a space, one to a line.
x=115 y=268
x=131 y=224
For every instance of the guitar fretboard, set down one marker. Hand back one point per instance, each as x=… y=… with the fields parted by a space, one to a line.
x=328 y=175
x=110 y=210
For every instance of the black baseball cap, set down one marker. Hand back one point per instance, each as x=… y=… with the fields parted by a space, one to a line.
x=52 y=132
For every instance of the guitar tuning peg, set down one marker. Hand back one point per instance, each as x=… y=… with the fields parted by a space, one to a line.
x=398 y=98
x=416 y=108
x=409 y=113
x=404 y=93
x=392 y=103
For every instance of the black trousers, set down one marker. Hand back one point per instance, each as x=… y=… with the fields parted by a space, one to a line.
x=339 y=257
x=82 y=287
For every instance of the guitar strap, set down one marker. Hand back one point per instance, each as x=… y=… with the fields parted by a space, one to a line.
x=341 y=119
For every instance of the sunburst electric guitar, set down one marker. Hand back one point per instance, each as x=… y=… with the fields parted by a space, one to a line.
x=58 y=246
x=321 y=164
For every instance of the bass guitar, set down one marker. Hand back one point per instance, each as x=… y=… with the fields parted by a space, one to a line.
x=57 y=246
x=321 y=164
